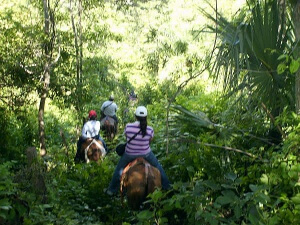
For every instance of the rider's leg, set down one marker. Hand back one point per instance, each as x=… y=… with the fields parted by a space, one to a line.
x=116 y=123
x=78 y=156
x=114 y=185
x=150 y=157
x=104 y=144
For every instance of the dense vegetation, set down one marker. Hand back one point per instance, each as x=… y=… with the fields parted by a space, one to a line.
x=220 y=82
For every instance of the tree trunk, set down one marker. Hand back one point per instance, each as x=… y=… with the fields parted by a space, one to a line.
x=296 y=19
x=77 y=30
x=44 y=93
x=80 y=42
x=45 y=80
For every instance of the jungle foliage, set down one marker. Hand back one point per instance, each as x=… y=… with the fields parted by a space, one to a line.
x=219 y=82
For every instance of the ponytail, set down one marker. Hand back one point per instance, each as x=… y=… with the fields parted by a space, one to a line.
x=143 y=124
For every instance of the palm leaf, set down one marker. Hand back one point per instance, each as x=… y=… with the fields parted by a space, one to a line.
x=195 y=120
x=248 y=51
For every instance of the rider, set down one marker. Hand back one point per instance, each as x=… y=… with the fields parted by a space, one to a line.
x=109 y=108
x=90 y=129
x=132 y=96
x=138 y=147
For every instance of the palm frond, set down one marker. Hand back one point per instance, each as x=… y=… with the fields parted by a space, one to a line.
x=198 y=119
x=249 y=48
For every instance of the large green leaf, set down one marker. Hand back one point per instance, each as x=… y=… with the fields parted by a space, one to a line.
x=248 y=53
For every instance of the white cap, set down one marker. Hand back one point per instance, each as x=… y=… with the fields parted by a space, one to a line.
x=141 y=111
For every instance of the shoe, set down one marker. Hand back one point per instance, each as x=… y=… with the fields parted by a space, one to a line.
x=108 y=192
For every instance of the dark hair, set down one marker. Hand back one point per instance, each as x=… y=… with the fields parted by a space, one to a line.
x=93 y=118
x=143 y=124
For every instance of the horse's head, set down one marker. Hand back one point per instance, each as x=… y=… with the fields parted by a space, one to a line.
x=94 y=150
x=139 y=179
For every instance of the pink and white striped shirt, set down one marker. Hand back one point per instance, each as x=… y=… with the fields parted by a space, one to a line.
x=139 y=145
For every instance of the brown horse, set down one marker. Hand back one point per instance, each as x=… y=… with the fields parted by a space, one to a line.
x=92 y=150
x=108 y=124
x=139 y=179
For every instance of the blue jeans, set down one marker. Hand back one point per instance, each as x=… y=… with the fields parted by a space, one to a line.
x=104 y=144
x=114 y=185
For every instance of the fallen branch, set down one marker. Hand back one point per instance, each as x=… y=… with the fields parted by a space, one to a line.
x=230 y=149
x=223 y=147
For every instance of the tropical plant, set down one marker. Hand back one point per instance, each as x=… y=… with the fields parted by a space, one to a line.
x=248 y=52
x=13 y=208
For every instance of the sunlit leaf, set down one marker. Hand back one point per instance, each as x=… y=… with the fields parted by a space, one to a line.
x=281 y=68
x=282 y=57
x=264 y=179
x=296 y=199
x=294 y=66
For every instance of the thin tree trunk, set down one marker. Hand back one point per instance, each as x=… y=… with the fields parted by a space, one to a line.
x=48 y=46
x=296 y=19
x=80 y=42
x=44 y=93
x=77 y=30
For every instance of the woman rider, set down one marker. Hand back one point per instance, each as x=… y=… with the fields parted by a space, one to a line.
x=90 y=129
x=138 y=147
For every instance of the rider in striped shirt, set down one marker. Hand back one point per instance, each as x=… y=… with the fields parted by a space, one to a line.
x=138 y=147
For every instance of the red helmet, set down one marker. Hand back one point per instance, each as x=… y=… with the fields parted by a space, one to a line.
x=92 y=113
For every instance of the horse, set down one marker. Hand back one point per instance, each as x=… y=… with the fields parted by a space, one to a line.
x=92 y=150
x=108 y=124
x=139 y=179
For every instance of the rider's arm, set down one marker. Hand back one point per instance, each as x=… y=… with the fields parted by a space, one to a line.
x=102 y=107
x=97 y=128
x=84 y=132
x=152 y=135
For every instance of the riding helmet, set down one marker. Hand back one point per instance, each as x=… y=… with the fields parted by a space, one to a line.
x=92 y=113
x=141 y=111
